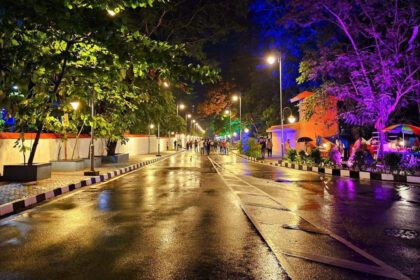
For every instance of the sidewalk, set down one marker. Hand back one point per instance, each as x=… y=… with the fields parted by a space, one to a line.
x=11 y=191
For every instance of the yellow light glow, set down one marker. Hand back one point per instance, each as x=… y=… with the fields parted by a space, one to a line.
x=152 y=126
x=246 y=130
x=75 y=105
x=271 y=59
x=111 y=13
x=235 y=98
x=291 y=119
x=181 y=106
x=166 y=84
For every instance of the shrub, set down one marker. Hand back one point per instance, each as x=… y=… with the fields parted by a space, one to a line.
x=291 y=154
x=254 y=148
x=409 y=164
x=335 y=156
x=359 y=159
x=302 y=154
x=327 y=162
x=316 y=156
x=392 y=161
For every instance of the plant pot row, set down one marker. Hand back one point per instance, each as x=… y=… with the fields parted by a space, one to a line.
x=40 y=171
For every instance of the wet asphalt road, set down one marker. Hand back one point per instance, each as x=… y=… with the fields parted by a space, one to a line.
x=171 y=220
x=381 y=218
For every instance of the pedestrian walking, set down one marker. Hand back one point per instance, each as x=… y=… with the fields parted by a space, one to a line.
x=263 y=147
x=201 y=146
x=269 y=148
x=208 y=146
x=175 y=146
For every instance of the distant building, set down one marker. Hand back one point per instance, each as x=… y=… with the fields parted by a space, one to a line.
x=322 y=123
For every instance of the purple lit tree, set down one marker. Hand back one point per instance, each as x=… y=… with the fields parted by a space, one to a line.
x=373 y=66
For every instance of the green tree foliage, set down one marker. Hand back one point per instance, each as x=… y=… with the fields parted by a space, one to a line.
x=57 y=51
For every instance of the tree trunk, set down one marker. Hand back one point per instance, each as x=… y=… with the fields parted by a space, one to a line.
x=380 y=125
x=111 y=146
x=35 y=145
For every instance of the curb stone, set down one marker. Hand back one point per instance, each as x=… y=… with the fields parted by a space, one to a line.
x=22 y=204
x=343 y=172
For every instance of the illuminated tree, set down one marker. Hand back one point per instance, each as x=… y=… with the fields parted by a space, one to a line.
x=374 y=68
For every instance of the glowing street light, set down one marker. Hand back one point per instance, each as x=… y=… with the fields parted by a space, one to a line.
x=75 y=105
x=166 y=84
x=179 y=107
x=151 y=126
x=246 y=130
x=111 y=13
x=291 y=119
x=235 y=98
x=272 y=59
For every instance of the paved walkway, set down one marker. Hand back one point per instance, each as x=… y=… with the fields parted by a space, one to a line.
x=11 y=191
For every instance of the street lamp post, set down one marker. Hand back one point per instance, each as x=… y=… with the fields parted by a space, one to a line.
x=236 y=98
x=158 y=153
x=291 y=118
x=191 y=126
x=179 y=107
x=187 y=116
x=271 y=60
x=230 y=124
x=151 y=126
x=92 y=171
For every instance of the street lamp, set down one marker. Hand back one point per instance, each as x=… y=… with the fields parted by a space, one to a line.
x=230 y=122
x=75 y=105
x=246 y=130
x=158 y=137
x=151 y=126
x=291 y=118
x=187 y=116
x=191 y=126
x=111 y=13
x=92 y=171
x=235 y=98
x=166 y=84
x=272 y=59
x=179 y=107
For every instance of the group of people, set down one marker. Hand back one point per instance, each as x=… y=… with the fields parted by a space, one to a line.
x=266 y=147
x=193 y=145
x=221 y=147
x=205 y=146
